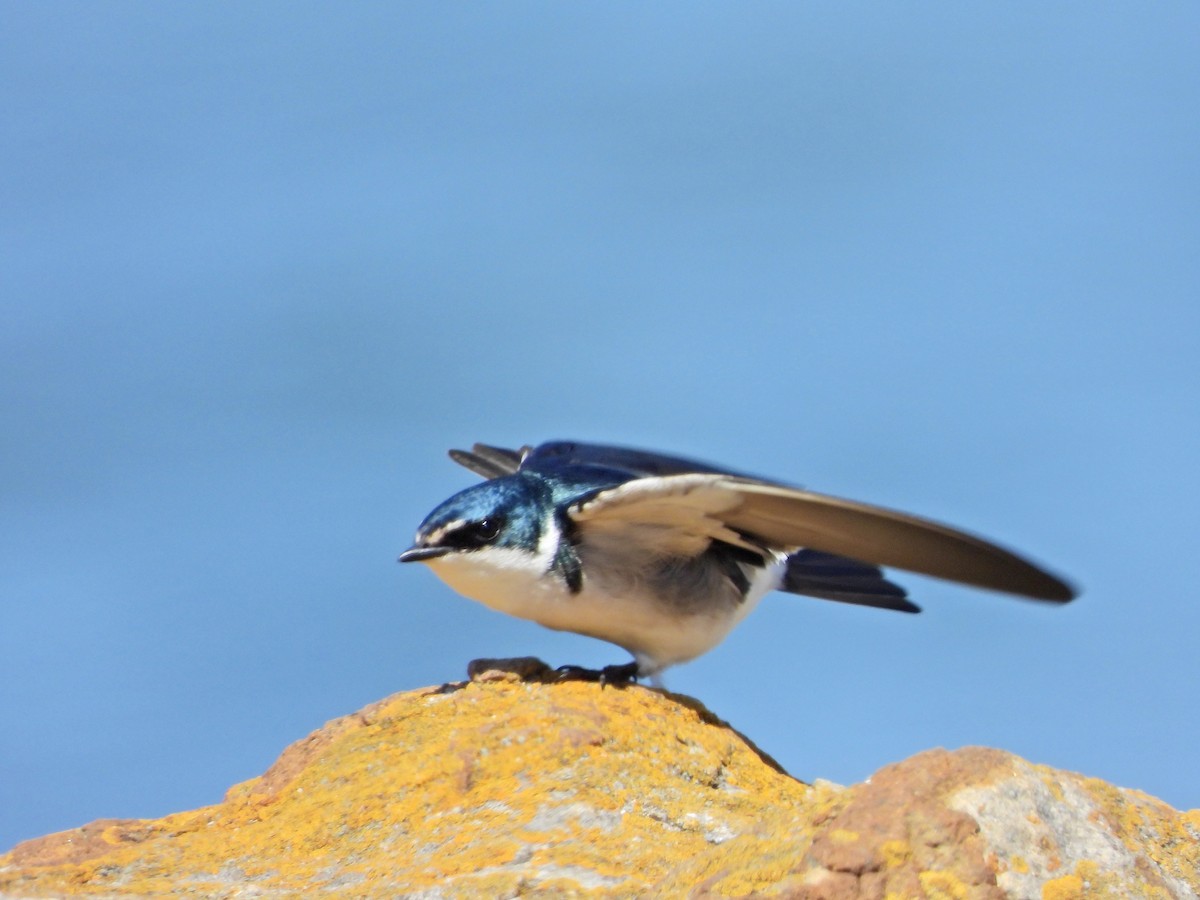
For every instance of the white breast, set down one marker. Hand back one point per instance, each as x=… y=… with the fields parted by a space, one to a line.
x=510 y=581
x=660 y=623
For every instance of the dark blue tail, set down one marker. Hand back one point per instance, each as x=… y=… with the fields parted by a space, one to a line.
x=829 y=577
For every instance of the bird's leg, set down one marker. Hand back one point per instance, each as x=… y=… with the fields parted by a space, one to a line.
x=576 y=673
x=623 y=674
x=617 y=674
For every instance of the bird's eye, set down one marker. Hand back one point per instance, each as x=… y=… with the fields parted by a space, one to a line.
x=473 y=535
x=485 y=529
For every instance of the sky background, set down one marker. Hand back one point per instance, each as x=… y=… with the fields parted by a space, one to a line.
x=262 y=264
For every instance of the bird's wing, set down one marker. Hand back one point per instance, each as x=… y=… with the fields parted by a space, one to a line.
x=814 y=573
x=746 y=512
x=554 y=455
x=797 y=518
x=495 y=462
x=490 y=462
x=674 y=515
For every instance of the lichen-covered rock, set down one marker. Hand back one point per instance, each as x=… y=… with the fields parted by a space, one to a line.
x=514 y=784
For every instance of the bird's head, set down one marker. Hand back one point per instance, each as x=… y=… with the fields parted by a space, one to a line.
x=495 y=542
x=504 y=514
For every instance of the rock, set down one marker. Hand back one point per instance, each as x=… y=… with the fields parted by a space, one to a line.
x=519 y=783
x=520 y=668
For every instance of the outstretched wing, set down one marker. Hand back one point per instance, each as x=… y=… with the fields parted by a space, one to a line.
x=677 y=515
x=745 y=512
x=872 y=534
x=826 y=576
x=635 y=463
x=494 y=462
x=490 y=462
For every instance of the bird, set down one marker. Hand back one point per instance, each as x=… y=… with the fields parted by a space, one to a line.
x=663 y=556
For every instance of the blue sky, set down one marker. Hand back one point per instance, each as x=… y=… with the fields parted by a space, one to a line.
x=261 y=265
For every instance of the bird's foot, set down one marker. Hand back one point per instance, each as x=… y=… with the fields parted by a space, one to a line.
x=618 y=675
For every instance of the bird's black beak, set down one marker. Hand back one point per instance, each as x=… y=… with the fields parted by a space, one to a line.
x=420 y=554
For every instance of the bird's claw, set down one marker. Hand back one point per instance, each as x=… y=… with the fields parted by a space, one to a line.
x=623 y=674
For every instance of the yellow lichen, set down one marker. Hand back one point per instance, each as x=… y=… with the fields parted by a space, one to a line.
x=476 y=791
x=1067 y=887
x=943 y=886
x=895 y=853
x=510 y=788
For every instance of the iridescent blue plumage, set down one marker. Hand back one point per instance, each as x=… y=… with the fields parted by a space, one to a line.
x=516 y=500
